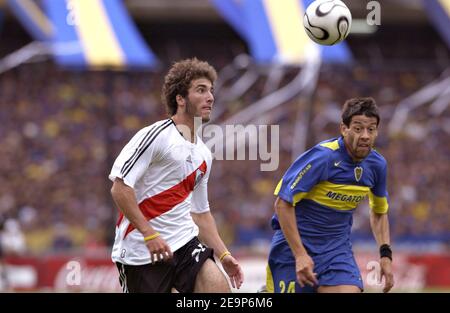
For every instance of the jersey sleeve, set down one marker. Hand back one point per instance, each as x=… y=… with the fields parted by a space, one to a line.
x=136 y=156
x=200 y=203
x=308 y=170
x=378 y=195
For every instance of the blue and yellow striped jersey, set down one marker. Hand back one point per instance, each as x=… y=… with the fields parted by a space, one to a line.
x=325 y=186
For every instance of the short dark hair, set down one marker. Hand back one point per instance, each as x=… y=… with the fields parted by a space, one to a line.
x=359 y=106
x=178 y=80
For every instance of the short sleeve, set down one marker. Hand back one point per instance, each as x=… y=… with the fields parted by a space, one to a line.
x=378 y=196
x=309 y=169
x=138 y=153
x=200 y=203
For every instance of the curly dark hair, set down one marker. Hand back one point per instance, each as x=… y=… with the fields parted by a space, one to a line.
x=359 y=106
x=178 y=80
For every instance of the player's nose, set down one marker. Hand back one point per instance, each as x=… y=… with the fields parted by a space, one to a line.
x=365 y=134
x=210 y=97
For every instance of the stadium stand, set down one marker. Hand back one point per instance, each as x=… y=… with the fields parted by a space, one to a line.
x=60 y=131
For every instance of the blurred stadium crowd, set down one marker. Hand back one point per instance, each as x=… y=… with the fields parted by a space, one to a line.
x=60 y=132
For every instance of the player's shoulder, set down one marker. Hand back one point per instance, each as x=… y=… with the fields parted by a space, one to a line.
x=319 y=154
x=377 y=158
x=327 y=147
x=153 y=134
x=159 y=125
x=157 y=128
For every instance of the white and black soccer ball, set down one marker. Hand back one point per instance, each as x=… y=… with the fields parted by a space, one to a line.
x=327 y=22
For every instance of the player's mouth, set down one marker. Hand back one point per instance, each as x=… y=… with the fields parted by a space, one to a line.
x=207 y=108
x=364 y=146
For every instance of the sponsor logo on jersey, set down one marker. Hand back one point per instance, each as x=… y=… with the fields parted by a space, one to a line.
x=300 y=175
x=344 y=197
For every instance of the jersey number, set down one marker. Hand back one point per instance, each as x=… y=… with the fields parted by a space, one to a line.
x=290 y=289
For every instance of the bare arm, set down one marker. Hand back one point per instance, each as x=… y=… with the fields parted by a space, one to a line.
x=303 y=263
x=208 y=234
x=125 y=198
x=288 y=222
x=380 y=229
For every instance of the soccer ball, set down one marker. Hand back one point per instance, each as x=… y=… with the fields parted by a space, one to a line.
x=327 y=22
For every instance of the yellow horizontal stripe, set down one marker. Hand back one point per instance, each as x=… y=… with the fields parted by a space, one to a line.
x=97 y=35
x=378 y=204
x=298 y=197
x=446 y=5
x=336 y=196
x=333 y=145
x=286 y=20
x=35 y=13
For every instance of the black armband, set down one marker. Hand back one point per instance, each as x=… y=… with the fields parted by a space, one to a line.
x=385 y=251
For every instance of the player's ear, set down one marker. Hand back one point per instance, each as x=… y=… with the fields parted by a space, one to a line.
x=343 y=128
x=180 y=100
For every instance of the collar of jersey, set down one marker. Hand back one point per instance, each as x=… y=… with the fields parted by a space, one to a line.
x=187 y=141
x=343 y=151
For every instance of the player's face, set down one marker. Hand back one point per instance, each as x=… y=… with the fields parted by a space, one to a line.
x=360 y=136
x=200 y=99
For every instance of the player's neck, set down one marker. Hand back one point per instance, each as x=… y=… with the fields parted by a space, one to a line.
x=349 y=152
x=186 y=127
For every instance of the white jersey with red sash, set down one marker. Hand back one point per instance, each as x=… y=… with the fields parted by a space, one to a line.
x=169 y=176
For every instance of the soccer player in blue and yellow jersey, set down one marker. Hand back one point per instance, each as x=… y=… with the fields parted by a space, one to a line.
x=316 y=198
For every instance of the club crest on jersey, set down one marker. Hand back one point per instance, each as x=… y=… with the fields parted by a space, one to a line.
x=198 y=176
x=358 y=173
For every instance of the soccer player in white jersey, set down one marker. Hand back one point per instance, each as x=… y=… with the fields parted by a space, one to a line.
x=166 y=236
